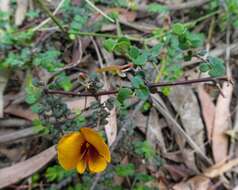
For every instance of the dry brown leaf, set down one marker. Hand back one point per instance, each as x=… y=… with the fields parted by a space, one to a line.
x=208 y=110
x=21 y=170
x=111 y=126
x=79 y=104
x=21 y=11
x=154 y=131
x=19 y=111
x=16 y=135
x=185 y=103
x=3 y=83
x=195 y=183
x=220 y=168
x=222 y=124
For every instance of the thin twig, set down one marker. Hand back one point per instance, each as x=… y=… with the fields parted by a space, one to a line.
x=150 y=86
x=44 y=22
x=54 y=19
x=100 y=11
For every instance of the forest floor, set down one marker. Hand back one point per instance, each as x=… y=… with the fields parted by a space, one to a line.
x=156 y=78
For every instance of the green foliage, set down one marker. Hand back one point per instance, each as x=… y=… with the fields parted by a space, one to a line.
x=32 y=14
x=48 y=60
x=143 y=177
x=119 y=46
x=157 y=8
x=64 y=82
x=114 y=3
x=141 y=90
x=140 y=181
x=39 y=127
x=125 y=170
x=33 y=93
x=123 y=94
x=57 y=173
x=144 y=149
x=214 y=66
x=84 y=184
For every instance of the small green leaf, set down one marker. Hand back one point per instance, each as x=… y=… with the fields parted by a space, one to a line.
x=109 y=44
x=204 y=67
x=137 y=81
x=144 y=149
x=32 y=92
x=215 y=67
x=123 y=94
x=141 y=59
x=134 y=52
x=125 y=170
x=179 y=29
x=155 y=51
x=57 y=173
x=123 y=45
x=141 y=89
x=157 y=8
x=143 y=177
x=38 y=127
x=64 y=82
x=196 y=40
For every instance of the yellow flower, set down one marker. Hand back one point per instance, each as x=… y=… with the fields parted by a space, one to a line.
x=83 y=149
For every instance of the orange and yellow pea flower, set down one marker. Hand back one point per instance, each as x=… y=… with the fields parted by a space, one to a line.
x=83 y=149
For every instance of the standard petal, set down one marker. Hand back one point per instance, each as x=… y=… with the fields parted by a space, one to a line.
x=96 y=141
x=81 y=166
x=96 y=163
x=69 y=150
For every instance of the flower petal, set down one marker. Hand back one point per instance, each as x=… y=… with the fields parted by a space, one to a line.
x=96 y=162
x=69 y=150
x=96 y=141
x=81 y=166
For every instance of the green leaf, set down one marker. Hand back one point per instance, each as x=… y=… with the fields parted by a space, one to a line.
x=235 y=23
x=48 y=60
x=109 y=44
x=141 y=59
x=217 y=67
x=143 y=177
x=64 y=82
x=123 y=45
x=204 y=67
x=137 y=81
x=196 y=40
x=155 y=51
x=144 y=149
x=157 y=8
x=125 y=170
x=123 y=94
x=80 y=120
x=57 y=173
x=134 y=52
x=141 y=89
x=32 y=93
x=165 y=90
x=179 y=29
x=38 y=127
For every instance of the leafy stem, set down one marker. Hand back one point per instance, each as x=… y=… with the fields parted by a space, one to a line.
x=149 y=85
